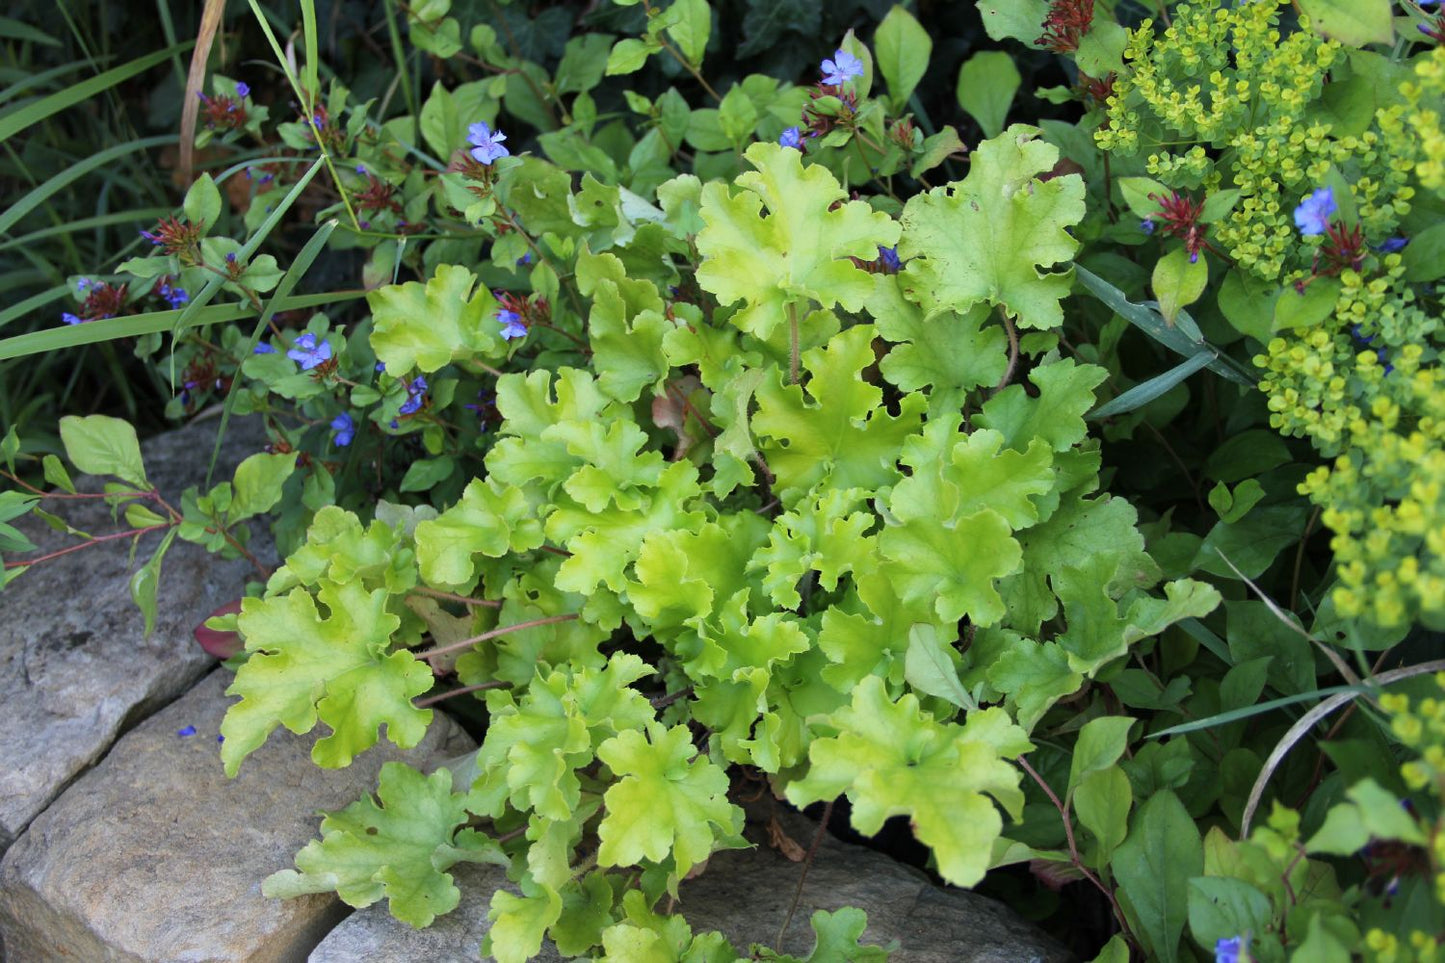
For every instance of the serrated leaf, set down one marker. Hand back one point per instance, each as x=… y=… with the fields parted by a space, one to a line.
x=489 y=520
x=667 y=802
x=985 y=238
x=519 y=923
x=1065 y=393
x=891 y=759
x=398 y=846
x=102 y=445
x=842 y=435
x=429 y=325
x=798 y=250
x=956 y=566
x=950 y=353
x=338 y=670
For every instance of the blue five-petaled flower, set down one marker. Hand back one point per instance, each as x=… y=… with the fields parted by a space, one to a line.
x=792 y=137
x=1229 y=950
x=415 y=395
x=343 y=429
x=486 y=143
x=512 y=326
x=841 y=69
x=308 y=352
x=1313 y=214
x=243 y=90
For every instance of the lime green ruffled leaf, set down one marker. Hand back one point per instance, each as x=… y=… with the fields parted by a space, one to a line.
x=843 y=436
x=430 y=325
x=519 y=923
x=798 y=251
x=949 y=352
x=398 y=846
x=1065 y=394
x=490 y=520
x=892 y=759
x=954 y=565
x=337 y=669
x=663 y=804
x=987 y=237
x=337 y=548
x=825 y=533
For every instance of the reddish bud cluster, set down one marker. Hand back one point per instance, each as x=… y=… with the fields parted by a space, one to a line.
x=817 y=123
x=536 y=310
x=377 y=196
x=102 y=301
x=175 y=236
x=1344 y=247
x=1179 y=217
x=224 y=113
x=1066 y=24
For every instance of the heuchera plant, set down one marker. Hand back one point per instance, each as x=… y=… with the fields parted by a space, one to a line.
x=749 y=445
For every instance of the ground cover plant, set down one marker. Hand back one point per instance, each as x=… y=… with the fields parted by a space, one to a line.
x=1018 y=424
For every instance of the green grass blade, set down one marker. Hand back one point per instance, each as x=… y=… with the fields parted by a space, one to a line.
x=134 y=325
x=1141 y=394
x=1152 y=323
x=33 y=303
x=141 y=214
x=288 y=283
x=15 y=30
x=13 y=123
x=308 y=32
x=43 y=79
x=60 y=181
x=1234 y=715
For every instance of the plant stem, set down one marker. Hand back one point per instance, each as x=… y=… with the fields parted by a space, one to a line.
x=453 y=597
x=93 y=541
x=1013 y=351
x=793 y=358
x=494 y=633
x=434 y=699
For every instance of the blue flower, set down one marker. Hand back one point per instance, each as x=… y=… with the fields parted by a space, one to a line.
x=842 y=68
x=1147 y=225
x=1228 y=950
x=1393 y=244
x=512 y=326
x=415 y=396
x=263 y=348
x=486 y=143
x=792 y=137
x=69 y=318
x=174 y=296
x=1313 y=214
x=888 y=259
x=381 y=366
x=343 y=429
x=525 y=259
x=308 y=353
x=82 y=285
x=186 y=731
x=243 y=90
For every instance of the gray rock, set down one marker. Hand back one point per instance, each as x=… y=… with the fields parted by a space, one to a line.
x=372 y=935
x=76 y=668
x=154 y=856
x=746 y=895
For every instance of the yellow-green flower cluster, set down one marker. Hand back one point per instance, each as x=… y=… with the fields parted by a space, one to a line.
x=1382 y=947
x=1259 y=111
x=1421 y=727
x=1423 y=118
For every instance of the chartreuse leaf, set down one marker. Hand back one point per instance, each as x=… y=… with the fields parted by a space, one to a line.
x=683 y=576
x=985 y=238
x=519 y=923
x=1372 y=811
x=798 y=250
x=102 y=445
x=531 y=404
x=950 y=353
x=535 y=744
x=338 y=669
x=490 y=520
x=1033 y=675
x=867 y=632
x=668 y=801
x=1154 y=866
x=892 y=759
x=953 y=563
x=430 y=325
x=397 y=846
x=826 y=533
x=258 y=482
x=1351 y=22
x=338 y=549
x=626 y=328
x=843 y=436
x=1065 y=393
x=837 y=936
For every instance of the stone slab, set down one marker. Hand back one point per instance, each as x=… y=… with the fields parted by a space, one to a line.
x=76 y=668
x=746 y=894
x=154 y=856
